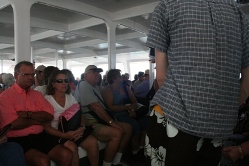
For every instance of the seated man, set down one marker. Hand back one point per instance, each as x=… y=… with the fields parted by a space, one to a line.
x=27 y=110
x=117 y=135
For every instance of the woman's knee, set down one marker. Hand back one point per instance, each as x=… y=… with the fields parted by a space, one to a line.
x=129 y=127
x=90 y=143
x=72 y=146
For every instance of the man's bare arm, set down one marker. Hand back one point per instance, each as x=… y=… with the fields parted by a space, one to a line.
x=244 y=85
x=161 y=67
x=25 y=120
x=100 y=111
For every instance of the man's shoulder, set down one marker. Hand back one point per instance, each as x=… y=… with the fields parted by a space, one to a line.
x=9 y=91
x=35 y=93
x=85 y=85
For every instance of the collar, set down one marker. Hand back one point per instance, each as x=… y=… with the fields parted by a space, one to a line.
x=18 y=89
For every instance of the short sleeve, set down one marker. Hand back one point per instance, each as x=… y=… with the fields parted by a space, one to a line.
x=86 y=93
x=245 y=41
x=158 y=36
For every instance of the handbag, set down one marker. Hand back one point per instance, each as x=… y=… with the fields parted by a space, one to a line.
x=242 y=125
x=70 y=119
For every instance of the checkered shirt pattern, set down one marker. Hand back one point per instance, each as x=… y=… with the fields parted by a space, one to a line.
x=207 y=44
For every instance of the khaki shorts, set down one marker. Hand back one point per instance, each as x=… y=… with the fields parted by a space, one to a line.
x=97 y=126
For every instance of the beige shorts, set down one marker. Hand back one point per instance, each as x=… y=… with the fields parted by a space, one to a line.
x=97 y=126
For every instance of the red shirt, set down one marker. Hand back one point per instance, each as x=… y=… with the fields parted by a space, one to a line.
x=16 y=99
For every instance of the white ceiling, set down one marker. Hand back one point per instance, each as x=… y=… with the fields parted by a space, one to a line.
x=77 y=29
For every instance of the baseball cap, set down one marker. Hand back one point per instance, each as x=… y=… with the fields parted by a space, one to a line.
x=40 y=68
x=140 y=74
x=93 y=67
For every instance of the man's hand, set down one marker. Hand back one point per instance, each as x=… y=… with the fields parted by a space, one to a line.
x=232 y=153
x=3 y=139
x=118 y=126
x=75 y=135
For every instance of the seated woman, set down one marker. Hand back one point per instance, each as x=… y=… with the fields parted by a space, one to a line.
x=123 y=105
x=60 y=97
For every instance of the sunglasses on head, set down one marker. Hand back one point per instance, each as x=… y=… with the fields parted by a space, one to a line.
x=61 y=81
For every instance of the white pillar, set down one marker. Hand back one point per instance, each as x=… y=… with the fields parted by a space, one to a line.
x=111 y=33
x=1 y=66
x=56 y=58
x=64 y=61
x=152 y=73
x=32 y=58
x=21 y=11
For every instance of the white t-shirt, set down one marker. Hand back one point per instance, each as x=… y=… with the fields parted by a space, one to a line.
x=58 y=110
x=41 y=89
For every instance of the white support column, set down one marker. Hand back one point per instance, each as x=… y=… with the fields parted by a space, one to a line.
x=152 y=73
x=64 y=61
x=127 y=67
x=21 y=11
x=32 y=58
x=56 y=58
x=111 y=32
x=1 y=66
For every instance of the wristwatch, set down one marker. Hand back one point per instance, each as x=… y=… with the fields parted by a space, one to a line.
x=29 y=114
x=84 y=127
x=110 y=122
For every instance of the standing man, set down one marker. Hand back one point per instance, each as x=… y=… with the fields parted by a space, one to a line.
x=27 y=110
x=116 y=134
x=201 y=48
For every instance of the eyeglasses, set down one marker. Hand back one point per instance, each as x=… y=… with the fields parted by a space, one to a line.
x=61 y=81
x=27 y=74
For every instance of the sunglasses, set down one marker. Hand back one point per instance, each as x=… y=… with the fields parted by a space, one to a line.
x=61 y=81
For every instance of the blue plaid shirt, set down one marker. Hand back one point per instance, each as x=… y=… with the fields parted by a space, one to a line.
x=207 y=44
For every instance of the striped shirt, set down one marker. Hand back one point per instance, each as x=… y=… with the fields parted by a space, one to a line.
x=207 y=44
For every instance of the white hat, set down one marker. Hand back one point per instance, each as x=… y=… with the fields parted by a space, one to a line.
x=40 y=68
x=93 y=67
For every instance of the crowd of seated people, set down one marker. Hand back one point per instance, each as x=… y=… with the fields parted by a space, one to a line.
x=34 y=136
